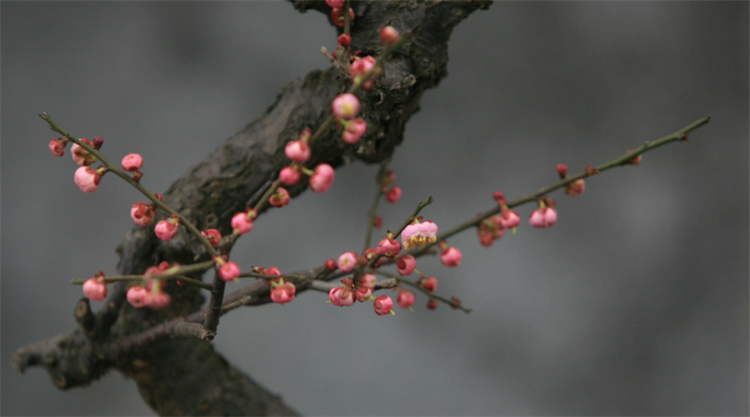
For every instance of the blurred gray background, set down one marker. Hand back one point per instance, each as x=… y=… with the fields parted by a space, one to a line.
x=636 y=302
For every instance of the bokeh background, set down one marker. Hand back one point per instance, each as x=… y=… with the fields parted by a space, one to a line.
x=636 y=302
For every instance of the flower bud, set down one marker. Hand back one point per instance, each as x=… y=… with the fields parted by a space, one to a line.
x=289 y=176
x=406 y=265
x=345 y=39
x=298 y=151
x=137 y=296
x=383 y=305
x=393 y=195
x=543 y=217
x=242 y=223
x=354 y=130
x=132 y=162
x=95 y=289
x=87 y=179
x=345 y=106
x=166 y=229
x=322 y=178
x=330 y=264
x=228 y=271
x=389 y=247
x=143 y=214
x=429 y=284
x=405 y=299
x=213 y=236
x=280 y=198
x=337 y=15
x=389 y=35
x=80 y=155
x=451 y=257
x=283 y=293
x=347 y=261
x=57 y=146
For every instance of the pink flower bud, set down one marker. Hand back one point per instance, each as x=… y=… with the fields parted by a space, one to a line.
x=143 y=214
x=337 y=15
x=80 y=155
x=132 y=162
x=242 y=223
x=499 y=197
x=368 y=281
x=87 y=179
x=322 y=178
x=57 y=146
x=430 y=284
x=137 y=296
x=354 y=130
x=363 y=294
x=562 y=169
x=229 y=271
x=389 y=247
x=486 y=239
x=289 y=176
x=406 y=265
x=387 y=179
x=166 y=229
x=213 y=236
x=95 y=289
x=636 y=160
x=280 y=198
x=383 y=305
x=377 y=222
x=98 y=142
x=330 y=264
x=419 y=234
x=345 y=106
x=451 y=257
x=393 y=195
x=575 y=188
x=341 y=296
x=389 y=35
x=510 y=218
x=347 y=261
x=298 y=151
x=543 y=217
x=336 y=3
x=284 y=293
x=360 y=68
x=158 y=300
x=345 y=39
x=405 y=299
x=432 y=304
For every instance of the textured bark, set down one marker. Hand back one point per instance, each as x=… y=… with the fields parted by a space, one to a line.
x=185 y=375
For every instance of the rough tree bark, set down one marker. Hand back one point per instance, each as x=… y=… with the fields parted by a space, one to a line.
x=185 y=376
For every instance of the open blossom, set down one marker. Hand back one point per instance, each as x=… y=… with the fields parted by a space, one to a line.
x=228 y=271
x=354 y=130
x=298 y=151
x=341 y=296
x=57 y=146
x=389 y=35
x=347 y=261
x=393 y=195
x=575 y=188
x=80 y=155
x=289 y=176
x=430 y=284
x=345 y=106
x=405 y=299
x=280 y=198
x=284 y=293
x=383 y=305
x=95 y=289
x=158 y=300
x=543 y=217
x=143 y=214
x=137 y=296
x=419 y=234
x=87 y=179
x=242 y=223
x=166 y=229
x=337 y=15
x=360 y=68
x=389 y=247
x=322 y=178
x=132 y=162
x=451 y=257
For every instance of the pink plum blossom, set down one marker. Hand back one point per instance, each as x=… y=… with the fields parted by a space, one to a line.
x=406 y=265
x=345 y=106
x=354 y=130
x=95 y=289
x=451 y=257
x=347 y=261
x=132 y=162
x=280 y=198
x=393 y=195
x=229 y=271
x=419 y=234
x=166 y=229
x=543 y=217
x=284 y=293
x=137 y=296
x=57 y=146
x=80 y=155
x=87 y=179
x=341 y=296
x=143 y=214
x=383 y=305
x=389 y=247
x=298 y=151
x=389 y=35
x=322 y=178
x=405 y=299
x=242 y=223
x=289 y=176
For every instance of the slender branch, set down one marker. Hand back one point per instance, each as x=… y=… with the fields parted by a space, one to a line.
x=413 y=284
x=137 y=185
x=263 y=276
x=374 y=208
x=680 y=135
x=213 y=309
x=347 y=17
x=177 y=274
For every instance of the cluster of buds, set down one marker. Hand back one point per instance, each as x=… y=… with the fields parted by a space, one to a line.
x=385 y=181
x=337 y=14
x=151 y=294
x=360 y=290
x=493 y=228
x=545 y=215
x=299 y=151
x=359 y=70
x=576 y=187
x=346 y=107
x=419 y=234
